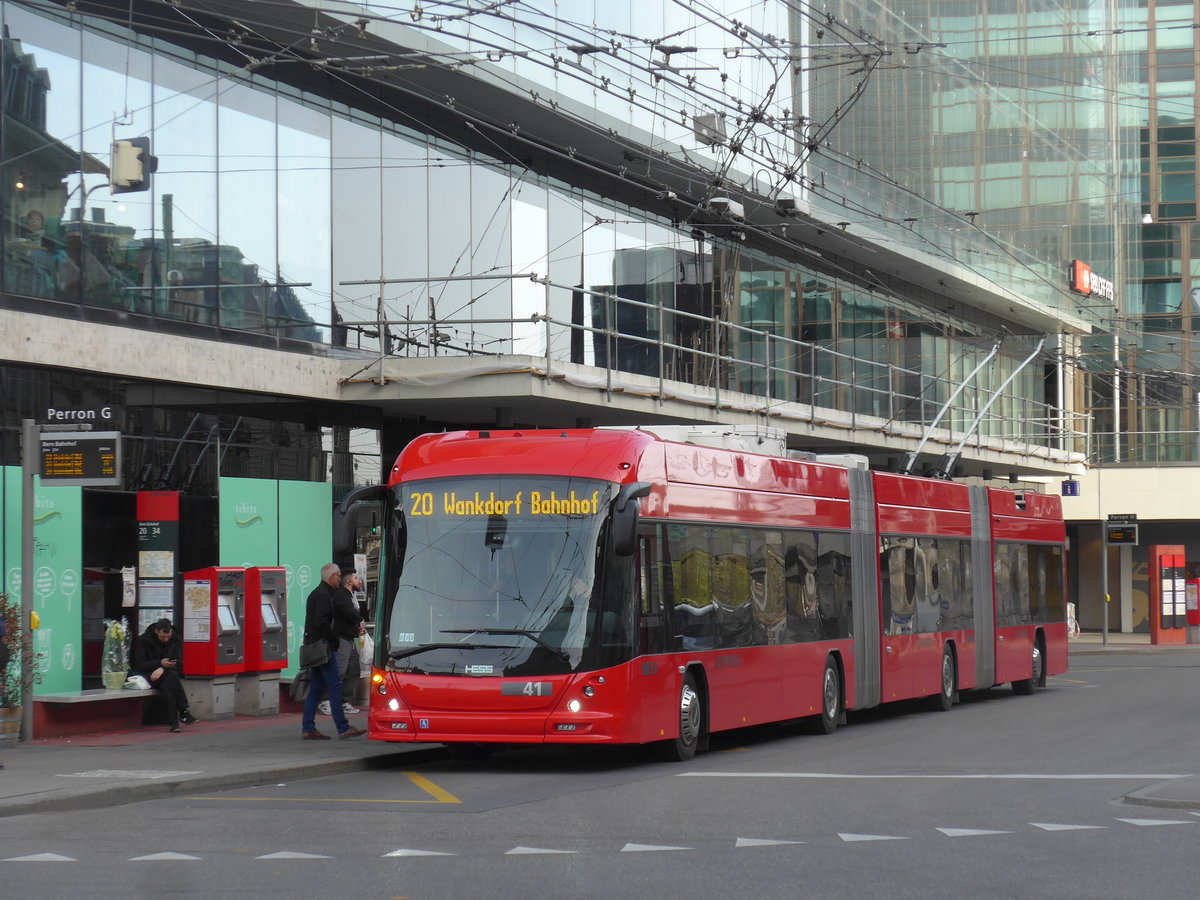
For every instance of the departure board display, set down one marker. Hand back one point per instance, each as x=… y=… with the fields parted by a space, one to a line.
x=91 y=459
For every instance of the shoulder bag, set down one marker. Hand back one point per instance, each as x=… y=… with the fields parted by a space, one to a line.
x=314 y=655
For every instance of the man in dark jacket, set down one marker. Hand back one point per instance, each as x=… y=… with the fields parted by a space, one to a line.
x=157 y=653
x=319 y=625
x=347 y=625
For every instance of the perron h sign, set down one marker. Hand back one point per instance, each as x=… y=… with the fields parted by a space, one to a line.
x=87 y=458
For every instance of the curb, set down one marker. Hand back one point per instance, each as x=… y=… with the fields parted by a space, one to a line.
x=120 y=794
x=1097 y=649
x=1143 y=798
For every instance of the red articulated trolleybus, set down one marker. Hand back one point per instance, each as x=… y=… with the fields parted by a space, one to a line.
x=614 y=586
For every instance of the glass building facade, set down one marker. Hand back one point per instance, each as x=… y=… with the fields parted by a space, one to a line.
x=336 y=194
x=309 y=219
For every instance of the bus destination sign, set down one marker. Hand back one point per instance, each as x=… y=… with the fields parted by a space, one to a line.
x=523 y=503
x=90 y=459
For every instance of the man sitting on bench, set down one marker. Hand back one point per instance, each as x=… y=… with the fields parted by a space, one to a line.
x=156 y=656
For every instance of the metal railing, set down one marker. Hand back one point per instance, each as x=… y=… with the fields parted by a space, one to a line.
x=729 y=364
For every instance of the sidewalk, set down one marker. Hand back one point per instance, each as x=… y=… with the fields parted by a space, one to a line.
x=106 y=769
x=89 y=771
x=1093 y=642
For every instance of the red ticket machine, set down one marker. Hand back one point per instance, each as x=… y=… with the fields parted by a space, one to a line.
x=214 y=621
x=1168 y=596
x=266 y=619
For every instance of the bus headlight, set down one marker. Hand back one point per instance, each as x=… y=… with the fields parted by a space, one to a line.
x=588 y=690
x=574 y=706
x=394 y=705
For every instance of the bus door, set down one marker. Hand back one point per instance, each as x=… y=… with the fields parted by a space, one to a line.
x=650 y=672
x=1014 y=634
x=899 y=638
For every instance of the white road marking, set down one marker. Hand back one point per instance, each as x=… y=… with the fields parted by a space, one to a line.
x=1146 y=823
x=852 y=838
x=1048 y=826
x=524 y=851
x=1026 y=776
x=407 y=852
x=157 y=857
x=969 y=832
x=42 y=857
x=292 y=854
x=126 y=773
x=648 y=848
x=760 y=842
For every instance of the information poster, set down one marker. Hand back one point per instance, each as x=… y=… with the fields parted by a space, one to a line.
x=197 y=610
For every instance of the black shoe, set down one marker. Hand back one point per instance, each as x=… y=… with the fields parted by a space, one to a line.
x=175 y=727
x=187 y=718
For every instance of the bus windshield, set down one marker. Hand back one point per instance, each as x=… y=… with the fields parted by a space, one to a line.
x=498 y=577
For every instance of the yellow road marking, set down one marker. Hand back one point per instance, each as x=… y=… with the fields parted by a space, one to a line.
x=439 y=795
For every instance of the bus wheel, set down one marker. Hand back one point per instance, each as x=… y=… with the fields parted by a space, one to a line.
x=944 y=699
x=691 y=722
x=831 y=698
x=1027 y=686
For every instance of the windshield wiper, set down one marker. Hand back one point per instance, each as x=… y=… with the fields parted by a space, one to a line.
x=521 y=632
x=413 y=651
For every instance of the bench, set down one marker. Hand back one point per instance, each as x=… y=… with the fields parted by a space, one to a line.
x=67 y=713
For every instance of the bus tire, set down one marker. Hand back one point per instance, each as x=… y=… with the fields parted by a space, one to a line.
x=692 y=723
x=943 y=700
x=1027 y=686
x=831 y=698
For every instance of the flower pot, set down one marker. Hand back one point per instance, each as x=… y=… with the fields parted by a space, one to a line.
x=113 y=681
x=10 y=723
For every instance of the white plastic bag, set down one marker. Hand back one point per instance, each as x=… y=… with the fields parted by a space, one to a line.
x=366 y=654
x=136 y=683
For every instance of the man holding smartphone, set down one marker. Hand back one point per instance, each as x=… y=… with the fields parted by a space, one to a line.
x=156 y=655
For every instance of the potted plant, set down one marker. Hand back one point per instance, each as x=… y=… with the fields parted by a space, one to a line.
x=11 y=681
x=114 y=664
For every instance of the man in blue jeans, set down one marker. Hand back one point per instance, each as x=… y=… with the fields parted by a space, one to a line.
x=318 y=625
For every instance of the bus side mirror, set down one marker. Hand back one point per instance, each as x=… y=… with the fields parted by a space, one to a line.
x=625 y=517
x=345 y=518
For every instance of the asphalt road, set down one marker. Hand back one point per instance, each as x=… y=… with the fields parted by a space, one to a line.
x=1002 y=797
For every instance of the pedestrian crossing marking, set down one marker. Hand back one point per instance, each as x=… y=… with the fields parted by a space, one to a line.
x=649 y=848
x=160 y=857
x=42 y=857
x=853 y=838
x=1148 y=823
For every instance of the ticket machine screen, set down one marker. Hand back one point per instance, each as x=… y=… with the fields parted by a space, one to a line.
x=270 y=619
x=227 y=619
